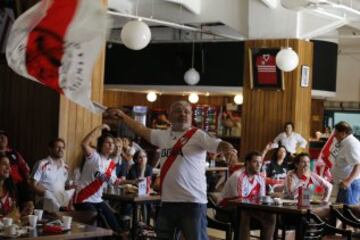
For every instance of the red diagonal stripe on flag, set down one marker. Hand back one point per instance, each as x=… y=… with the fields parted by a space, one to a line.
x=325 y=151
x=45 y=45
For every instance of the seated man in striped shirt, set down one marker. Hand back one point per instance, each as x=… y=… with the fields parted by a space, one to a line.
x=248 y=184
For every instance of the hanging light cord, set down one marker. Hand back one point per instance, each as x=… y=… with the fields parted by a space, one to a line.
x=193 y=53
x=137 y=8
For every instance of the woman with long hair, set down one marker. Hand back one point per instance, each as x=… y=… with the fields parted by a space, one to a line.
x=98 y=170
x=8 y=194
x=278 y=166
x=141 y=168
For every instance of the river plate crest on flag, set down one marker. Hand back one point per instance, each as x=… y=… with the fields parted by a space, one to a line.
x=57 y=43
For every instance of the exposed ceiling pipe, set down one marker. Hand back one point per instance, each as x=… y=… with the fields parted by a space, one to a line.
x=327 y=28
x=176 y=25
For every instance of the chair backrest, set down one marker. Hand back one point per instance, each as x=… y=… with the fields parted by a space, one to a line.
x=352 y=212
x=314 y=227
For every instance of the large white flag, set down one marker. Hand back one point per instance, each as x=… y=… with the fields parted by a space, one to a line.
x=57 y=43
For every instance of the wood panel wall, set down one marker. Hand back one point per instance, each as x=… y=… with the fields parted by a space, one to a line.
x=265 y=111
x=317 y=116
x=118 y=99
x=29 y=113
x=75 y=121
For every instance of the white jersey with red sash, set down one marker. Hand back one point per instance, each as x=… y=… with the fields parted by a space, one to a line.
x=185 y=180
x=293 y=182
x=240 y=185
x=97 y=170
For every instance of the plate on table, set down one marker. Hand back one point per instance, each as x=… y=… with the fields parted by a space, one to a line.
x=316 y=202
x=19 y=232
x=289 y=202
x=54 y=227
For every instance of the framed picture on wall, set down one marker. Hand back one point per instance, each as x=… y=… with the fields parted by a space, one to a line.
x=305 y=75
x=263 y=70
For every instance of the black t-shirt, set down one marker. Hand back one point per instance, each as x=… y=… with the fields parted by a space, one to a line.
x=276 y=171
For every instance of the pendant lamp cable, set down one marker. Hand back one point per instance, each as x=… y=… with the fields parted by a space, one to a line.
x=137 y=8
x=193 y=52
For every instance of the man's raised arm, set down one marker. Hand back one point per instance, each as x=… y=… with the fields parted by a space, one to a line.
x=135 y=126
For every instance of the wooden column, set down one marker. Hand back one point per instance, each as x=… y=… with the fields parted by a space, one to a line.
x=265 y=111
x=75 y=121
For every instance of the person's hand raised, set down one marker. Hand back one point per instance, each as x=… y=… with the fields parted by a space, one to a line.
x=105 y=127
x=115 y=113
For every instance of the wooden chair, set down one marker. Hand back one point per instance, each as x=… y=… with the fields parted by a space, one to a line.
x=315 y=228
x=352 y=212
x=215 y=223
x=348 y=217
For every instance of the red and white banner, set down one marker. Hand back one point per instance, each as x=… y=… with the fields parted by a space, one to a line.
x=325 y=159
x=57 y=43
x=325 y=154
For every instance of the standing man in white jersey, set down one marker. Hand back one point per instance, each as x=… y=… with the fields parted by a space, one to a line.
x=346 y=169
x=182 y=177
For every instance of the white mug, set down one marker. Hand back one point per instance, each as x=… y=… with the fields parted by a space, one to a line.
x=33 y=221
x=7 y=221
x=67 y=222
x=38 y=213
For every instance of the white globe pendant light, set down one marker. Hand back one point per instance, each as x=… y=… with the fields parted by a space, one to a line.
x=151 y=96
x=193 y=98
x=238 y=99
x=191 y=76
x=287 y=59
x=135 y=35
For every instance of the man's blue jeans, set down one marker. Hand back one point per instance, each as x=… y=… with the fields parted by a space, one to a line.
x=188 y=218
x=350 y=195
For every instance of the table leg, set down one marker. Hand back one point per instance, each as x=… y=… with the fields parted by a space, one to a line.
x=134 y=221
x=237 y=224
x=299 y=230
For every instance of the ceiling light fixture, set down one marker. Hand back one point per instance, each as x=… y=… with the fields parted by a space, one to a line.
x=191 y=76
x=238 y=99
x=135 y=34
x=193 y=98
x=151 y=96
x=287 y=59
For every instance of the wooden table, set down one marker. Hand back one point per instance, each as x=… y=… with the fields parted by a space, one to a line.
x=218 y=169
x=298 y=213
x=135 y=200
x=78 y=231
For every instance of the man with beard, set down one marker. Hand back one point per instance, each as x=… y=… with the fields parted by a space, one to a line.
x=182 y=179
x=50 y=177
x=248 y=184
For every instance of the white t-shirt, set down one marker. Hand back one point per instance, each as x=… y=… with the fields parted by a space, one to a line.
x=185 y=180
x=346 y=155
x=52 y=177
x=95 y=165
x=239 y=185
x=291 y=142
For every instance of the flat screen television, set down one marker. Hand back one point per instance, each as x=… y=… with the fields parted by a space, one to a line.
x=219 y=64
x=351 y=117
